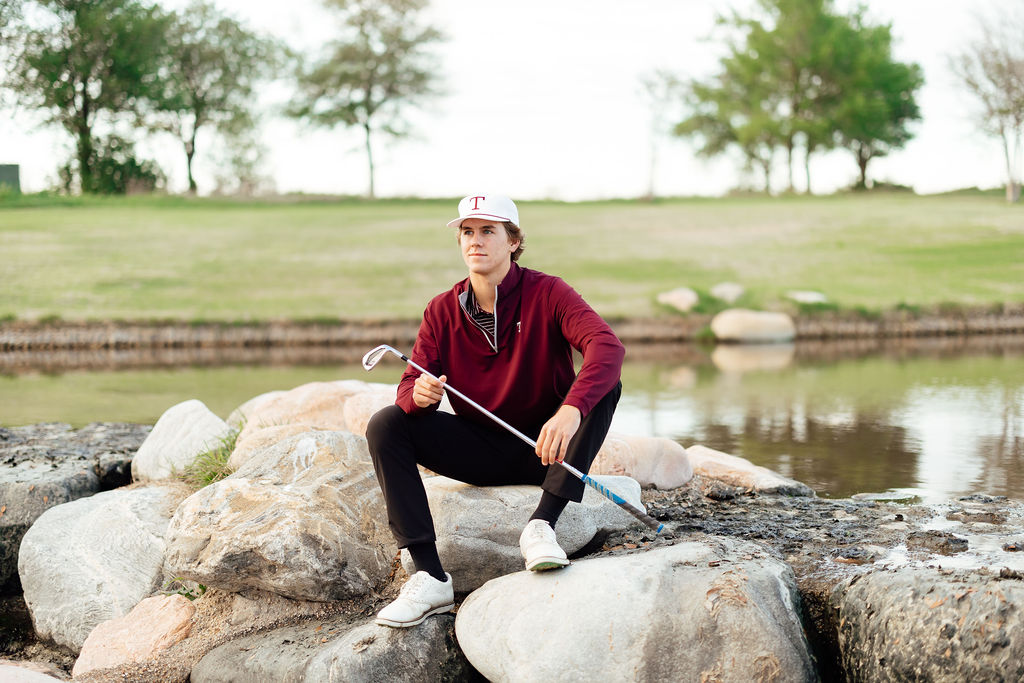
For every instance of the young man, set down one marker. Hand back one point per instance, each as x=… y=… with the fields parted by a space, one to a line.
x=504 y=336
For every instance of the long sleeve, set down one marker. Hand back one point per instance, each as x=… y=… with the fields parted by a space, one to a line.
x=602 y=351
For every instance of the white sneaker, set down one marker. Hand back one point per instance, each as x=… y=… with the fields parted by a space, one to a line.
x=421 y=596
x=539 y=547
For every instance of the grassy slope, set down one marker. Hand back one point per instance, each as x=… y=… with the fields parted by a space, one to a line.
x=215 y=260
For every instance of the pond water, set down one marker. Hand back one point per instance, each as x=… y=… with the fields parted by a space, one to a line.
x=921 y=420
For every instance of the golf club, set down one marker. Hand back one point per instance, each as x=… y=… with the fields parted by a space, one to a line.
x=373 y=356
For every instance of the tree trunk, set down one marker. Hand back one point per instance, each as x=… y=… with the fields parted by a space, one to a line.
x=85 y=159
x=369 y=158
x=1012 y=186
x=862 y=163
x=807 y=171
x=766 y=166
x=789 y=162
x=190 y=151
x=85 y=148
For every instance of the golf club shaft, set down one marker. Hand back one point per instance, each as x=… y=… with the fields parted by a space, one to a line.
x=604 y=491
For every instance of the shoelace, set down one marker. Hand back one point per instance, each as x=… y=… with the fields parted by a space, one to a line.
x=414 y=586
x=539 y=532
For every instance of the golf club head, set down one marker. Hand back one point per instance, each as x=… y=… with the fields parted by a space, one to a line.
x=374 y=355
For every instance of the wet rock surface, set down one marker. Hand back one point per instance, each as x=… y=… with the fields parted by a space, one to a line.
x=831 y=542
x=49 y=464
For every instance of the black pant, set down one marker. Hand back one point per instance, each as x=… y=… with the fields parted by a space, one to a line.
x=461 y=449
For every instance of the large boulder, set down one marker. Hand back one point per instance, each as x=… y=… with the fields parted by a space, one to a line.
x=362 y=406
x=256 y=441
x=304 y=519
x=150 y=627
x=929 y=624
x=239 y=417
x=335 y=651
x=93 y=559
x=736 y=471
x=697 y=611
x=318 y=405
x=478 y=527
x=752 y=327
x=651 y=461
x=45 y=465
x=182 y=432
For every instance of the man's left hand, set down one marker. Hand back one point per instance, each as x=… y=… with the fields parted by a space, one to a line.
x=556 y=434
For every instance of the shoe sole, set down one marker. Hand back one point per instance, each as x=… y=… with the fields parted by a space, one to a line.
x=406 y=624
x=545 y=563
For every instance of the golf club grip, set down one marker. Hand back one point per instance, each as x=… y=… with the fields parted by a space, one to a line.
x=654 y=524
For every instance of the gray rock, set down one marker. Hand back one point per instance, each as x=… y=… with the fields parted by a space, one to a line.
x=303 y=518
x=736 y=471
x=49 y=464
x=925 y=624
x=712 y=610
x=93 y=559
x=338 y=651
x=478 y=527
x=182 y=432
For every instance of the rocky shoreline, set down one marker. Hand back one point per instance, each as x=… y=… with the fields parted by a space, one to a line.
x=879 y=589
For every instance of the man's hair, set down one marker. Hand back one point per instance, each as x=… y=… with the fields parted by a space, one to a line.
x=514 y=232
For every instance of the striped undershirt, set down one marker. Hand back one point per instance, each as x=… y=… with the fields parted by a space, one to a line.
x=482 y=317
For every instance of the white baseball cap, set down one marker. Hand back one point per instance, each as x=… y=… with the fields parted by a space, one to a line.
x=486 y=206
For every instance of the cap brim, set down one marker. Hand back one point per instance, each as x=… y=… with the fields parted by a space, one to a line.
x=458 y=221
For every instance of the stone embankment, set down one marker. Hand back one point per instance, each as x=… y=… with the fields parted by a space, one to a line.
x=755 y=578
x=120 y=336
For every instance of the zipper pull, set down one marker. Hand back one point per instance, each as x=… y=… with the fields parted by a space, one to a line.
x=519 y=327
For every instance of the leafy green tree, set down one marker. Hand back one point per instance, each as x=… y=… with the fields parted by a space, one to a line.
x=10 y=34
x=379 y=64
x=799 y=74
x=787 y=52
x=726 y=116
x=877 y=108
x=213 y=67
x=991 y=69
x=91 y=62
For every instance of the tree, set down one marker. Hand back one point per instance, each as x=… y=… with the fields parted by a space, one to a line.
x=10 y=17
x=800 y=74
x=378 y=65
x=727 y=114
x=874 y=115
x=94 y=60
x=991 y=68
x=213 y=66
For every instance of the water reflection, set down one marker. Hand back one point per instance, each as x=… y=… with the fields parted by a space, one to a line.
x=946 y=423
x=942 y=416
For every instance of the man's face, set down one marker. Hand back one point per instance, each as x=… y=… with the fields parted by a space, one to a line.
x=485 y=246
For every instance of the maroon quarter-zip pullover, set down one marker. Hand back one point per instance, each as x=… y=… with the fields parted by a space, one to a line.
x=525 y=371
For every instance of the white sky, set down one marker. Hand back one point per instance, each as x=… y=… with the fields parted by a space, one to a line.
x=543 y=99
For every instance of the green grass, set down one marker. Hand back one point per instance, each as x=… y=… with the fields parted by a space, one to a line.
x=162 y=258
x=212 y=464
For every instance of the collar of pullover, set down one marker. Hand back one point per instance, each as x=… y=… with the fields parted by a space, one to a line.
x=505 y=288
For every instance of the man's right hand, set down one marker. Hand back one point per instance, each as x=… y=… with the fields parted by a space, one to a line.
x=427 y=391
